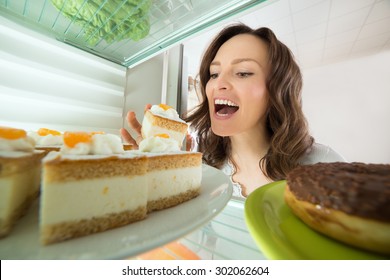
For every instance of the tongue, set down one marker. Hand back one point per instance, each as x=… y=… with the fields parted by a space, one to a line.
x=227 y=110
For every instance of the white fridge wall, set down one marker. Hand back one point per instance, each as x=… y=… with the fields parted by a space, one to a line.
x=46 y=83
x=347 y=105
x=143 y=85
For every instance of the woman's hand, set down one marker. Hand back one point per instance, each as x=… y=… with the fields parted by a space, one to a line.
x=134 y=125
x=189 y=142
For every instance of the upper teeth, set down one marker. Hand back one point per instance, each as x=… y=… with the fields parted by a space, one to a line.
x=225 y=102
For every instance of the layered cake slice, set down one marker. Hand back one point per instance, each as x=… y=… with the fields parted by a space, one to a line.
x=20 y=169
x=174 y=176
x=91 y=186
x=163 y=119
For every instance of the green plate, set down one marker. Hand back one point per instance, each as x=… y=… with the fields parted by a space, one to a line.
x=279 y=234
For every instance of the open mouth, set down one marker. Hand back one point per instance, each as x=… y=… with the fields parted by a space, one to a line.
x=225 y=107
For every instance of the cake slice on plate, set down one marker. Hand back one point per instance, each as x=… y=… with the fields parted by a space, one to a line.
x=91 y=186
x=174 y=176
x=20 y=169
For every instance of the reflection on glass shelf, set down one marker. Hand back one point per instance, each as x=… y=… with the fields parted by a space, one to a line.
x=126 y=31
x=225 y=237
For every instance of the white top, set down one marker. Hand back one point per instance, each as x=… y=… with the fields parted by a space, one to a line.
x=318 y=153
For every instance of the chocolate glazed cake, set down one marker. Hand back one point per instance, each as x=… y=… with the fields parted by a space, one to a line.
x=349 y=202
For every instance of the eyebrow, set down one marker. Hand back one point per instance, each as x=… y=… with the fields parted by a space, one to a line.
x=238 y=60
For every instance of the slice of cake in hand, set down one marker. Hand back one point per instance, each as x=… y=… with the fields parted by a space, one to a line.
x=174 y=176
x=163 y=119
x=90 y=186
x=20 y=169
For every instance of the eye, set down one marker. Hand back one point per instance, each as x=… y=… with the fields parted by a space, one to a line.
x=244 y=74
x=213 y=76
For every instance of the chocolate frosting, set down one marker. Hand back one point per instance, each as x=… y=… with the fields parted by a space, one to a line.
x=354 y=188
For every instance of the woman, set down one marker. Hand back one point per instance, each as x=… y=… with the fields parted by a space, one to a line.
x=250 y=123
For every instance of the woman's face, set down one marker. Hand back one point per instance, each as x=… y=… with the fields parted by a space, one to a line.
x=236 y=92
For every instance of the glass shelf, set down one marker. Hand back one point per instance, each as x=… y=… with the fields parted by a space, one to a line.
x=226 y=237
x=123 y=31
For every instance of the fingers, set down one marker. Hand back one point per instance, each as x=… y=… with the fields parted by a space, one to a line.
x=134 y=125
x=133 y=122
x=127 y=137
x=189 y=142
x=147 y=107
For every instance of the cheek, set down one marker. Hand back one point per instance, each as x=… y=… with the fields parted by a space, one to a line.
x=208 y=89
x=256 y=101
x=257 y=94
x=208 y=95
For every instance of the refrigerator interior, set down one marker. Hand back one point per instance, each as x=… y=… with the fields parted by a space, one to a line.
x=57 y=73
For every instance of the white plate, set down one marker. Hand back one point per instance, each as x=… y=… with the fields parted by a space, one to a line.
x=158 y=228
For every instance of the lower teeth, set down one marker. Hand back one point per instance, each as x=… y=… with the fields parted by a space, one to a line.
x=222 y=115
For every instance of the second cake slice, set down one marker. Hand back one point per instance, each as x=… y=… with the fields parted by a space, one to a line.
x=85 y=194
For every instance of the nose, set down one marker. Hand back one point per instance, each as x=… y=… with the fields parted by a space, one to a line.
x=223 y=82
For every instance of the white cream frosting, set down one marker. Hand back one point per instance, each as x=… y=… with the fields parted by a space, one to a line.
x=158 y=144
x=46 y=140
x=126 y=154
x=101 y=144
x=105 y=144
x=169 y=114
x=25 y=144
x=149 y=130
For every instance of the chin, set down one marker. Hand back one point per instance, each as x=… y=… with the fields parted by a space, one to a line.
x=222 y=132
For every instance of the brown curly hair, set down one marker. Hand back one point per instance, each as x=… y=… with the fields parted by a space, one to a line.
x=286 y=123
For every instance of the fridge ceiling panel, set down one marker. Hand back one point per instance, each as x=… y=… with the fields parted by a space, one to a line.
x=123 y=31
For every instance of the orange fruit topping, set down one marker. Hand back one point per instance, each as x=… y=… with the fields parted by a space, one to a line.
x=72 y=138
x=162 y=135
x=46 y=131
x=12 y=133
x=165 y=107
